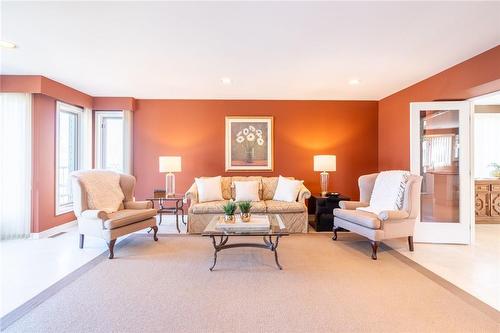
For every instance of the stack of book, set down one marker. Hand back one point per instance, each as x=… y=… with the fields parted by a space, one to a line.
x=257 y=223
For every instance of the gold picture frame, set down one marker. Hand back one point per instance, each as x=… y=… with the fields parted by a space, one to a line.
x=249 y=143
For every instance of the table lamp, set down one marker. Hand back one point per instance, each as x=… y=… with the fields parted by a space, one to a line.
x=325 y=163
x=170 y=164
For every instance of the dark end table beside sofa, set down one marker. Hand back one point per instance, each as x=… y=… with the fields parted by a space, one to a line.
x=322 y=208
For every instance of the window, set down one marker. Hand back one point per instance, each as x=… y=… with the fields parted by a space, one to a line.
x=68 y=152
x=437 y=151
x=110 y=140
x=486 y=139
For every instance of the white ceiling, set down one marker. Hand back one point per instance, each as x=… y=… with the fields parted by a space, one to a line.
x=270 y=50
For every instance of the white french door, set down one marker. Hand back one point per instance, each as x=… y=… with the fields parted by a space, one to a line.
x=440 y=140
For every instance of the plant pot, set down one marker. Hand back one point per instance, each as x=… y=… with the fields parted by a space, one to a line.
x=245 y=217
x=229 y=218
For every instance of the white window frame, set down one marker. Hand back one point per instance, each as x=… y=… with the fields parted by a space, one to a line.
x=99 y=135
x=64 y=107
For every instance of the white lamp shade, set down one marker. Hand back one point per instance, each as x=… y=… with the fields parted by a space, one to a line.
x=170 y=164
x=325 y=163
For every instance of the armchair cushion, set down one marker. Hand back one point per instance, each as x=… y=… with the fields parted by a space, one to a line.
x=128 y=216
x=365 y=219
x=138 y=204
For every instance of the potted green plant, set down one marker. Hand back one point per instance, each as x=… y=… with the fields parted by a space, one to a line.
x=245 y=210
x=229 y=210
x=496 y=170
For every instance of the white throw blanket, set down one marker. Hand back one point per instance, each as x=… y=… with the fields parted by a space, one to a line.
x=388 y=191
x=103 y=190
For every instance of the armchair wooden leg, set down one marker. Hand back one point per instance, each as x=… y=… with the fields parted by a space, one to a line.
x=335 y=233
x=410 y=243
x=82 y=239
x=111 y=246
x=155 y=231
x=374 y=249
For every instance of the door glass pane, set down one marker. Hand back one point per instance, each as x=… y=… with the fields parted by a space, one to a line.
x=112 y=144
x=439 y=166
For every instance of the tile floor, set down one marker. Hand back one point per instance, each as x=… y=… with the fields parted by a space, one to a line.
x=474 y=268
x=30 y=266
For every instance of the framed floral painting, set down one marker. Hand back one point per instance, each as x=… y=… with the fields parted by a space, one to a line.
x=249 y=143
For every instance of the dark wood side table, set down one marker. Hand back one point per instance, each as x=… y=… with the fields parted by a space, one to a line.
x=322 y=209
x=169 y=205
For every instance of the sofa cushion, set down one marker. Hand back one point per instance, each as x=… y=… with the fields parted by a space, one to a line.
x=245 y=179
x=287 y=189
x=128 y=216
x=209 y=189
x=212 y=207
x=269 y=185
x=359 y=217
x=284 y=207
x=226 y=183
x=257 y=207
x=247 y=191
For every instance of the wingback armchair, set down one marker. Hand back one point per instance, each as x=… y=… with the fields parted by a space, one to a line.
x=131 y=216
x=385 y=225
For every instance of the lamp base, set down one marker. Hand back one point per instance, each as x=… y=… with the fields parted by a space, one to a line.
x=169 y=184
x=324 y=177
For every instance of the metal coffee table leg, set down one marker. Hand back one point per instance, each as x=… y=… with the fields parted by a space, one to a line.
x=275 y=249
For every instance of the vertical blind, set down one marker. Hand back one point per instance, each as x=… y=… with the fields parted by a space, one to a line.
x=15 y=165
x=437 y=151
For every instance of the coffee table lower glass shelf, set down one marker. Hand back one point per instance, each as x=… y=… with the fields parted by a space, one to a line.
x=271 y=237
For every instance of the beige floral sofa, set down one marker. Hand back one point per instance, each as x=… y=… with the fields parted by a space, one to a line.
x=294 y=214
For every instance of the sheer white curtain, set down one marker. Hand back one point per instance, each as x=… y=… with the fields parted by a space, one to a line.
x=128 y=119
x=486 y=143
x=15 y=165
x=87 y=140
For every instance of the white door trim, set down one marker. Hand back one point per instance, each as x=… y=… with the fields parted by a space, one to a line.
x=442 y=232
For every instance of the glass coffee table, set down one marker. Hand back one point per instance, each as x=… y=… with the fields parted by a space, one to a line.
x=271 y=237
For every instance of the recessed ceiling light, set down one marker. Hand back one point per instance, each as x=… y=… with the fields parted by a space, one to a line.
x=354 y=82
x=226 y=80
x=7 y=45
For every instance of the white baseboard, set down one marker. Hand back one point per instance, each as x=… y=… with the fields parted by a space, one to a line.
x=53 y=231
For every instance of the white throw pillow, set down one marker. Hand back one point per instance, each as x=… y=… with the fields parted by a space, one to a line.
x=209 y=189
x=287 y=189
x=388 y=191
x=247 y=190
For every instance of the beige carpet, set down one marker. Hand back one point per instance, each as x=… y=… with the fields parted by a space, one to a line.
x=325 y=286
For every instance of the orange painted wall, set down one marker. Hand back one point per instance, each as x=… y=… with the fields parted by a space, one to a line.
x=194 y=129
x=43 y=194
x=475 y=77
